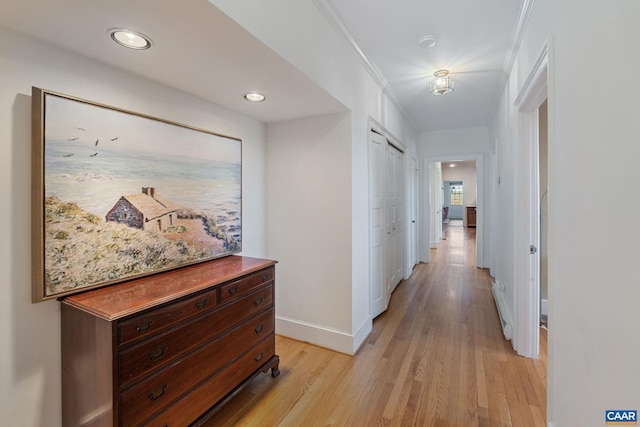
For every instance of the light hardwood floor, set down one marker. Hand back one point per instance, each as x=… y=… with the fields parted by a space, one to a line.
x=437 y=357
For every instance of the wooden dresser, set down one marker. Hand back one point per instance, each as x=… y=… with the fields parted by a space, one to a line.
x=471 y=216
x=167 y=350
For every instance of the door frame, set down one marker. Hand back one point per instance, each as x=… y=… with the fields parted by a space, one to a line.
x=527 y=291
x=425 y=237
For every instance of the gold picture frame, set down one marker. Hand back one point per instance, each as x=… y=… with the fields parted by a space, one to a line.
x=118 y=195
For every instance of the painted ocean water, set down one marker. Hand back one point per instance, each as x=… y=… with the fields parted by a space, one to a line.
x=95 y=175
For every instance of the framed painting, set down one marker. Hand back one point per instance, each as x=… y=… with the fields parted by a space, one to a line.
x=119 y=195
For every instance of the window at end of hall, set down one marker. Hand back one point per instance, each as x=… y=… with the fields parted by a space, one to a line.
x=456 y=194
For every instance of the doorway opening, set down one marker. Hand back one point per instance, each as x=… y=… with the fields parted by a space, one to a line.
x=453 y=189
x=453 y=201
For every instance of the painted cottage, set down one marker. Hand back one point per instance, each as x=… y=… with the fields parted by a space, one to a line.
x=146 y=211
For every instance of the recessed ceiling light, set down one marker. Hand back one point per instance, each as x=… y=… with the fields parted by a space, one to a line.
x=130 y=39
x=427 y=42
x=254 y=97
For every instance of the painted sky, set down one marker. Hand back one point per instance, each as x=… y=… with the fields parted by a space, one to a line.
x=67 y=119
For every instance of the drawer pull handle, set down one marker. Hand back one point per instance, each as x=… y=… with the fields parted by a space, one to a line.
x=158 y=353
x=265 y=276
x=259 y=328
x=157 y=393
x=202 y=303
x=233 y=290
x=144 y=326
x=260 y=356
x=259 y=300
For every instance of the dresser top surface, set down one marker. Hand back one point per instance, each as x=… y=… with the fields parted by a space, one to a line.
x=123 y=299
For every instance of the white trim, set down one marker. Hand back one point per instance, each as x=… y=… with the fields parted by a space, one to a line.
x=534 y=88
x=503 y=310
x=361 y=335
x=391 y=138
x=516 y=40
x=518 y=35
x=527 y=289
x=319 y=335
x=544 y=307
x=342 y=31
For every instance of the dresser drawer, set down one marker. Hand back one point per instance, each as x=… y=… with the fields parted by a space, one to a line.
x=162 y=317
x=188 y=409
x=246 y=284
x=136 y=361
x=152 y=395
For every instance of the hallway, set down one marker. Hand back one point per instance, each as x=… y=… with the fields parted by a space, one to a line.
x=437 y=357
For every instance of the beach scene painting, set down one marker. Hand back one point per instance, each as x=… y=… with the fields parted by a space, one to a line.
x=121 y=195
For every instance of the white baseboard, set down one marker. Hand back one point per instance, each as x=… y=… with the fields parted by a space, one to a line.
x=434 y=245
x=544 y=307
x=322 y=336
x=503 y=311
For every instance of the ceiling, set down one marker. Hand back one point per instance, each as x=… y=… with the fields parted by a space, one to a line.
x=475 y=38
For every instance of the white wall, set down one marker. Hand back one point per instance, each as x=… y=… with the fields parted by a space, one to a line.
x=321 y=54
x=309 y=227
x=593 y=292
x=593 y=275
x=30 y=352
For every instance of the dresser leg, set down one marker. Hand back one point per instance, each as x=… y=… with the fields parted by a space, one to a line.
x=275 y=371
x=272 y=364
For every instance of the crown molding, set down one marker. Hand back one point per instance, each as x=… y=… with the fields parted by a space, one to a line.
x=516 y=40
x=518 y=34
x=342 y=31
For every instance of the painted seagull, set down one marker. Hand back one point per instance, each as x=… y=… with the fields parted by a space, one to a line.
x=96 y=143
x=67 y=155
x=93 y=155
x=73 y=139
x=80 y=128
x=113 y=139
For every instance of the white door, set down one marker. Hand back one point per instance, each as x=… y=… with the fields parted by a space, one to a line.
x=395 y=216
x=436 y=199
x=377 y=223
x=413 y=259
x=439 y=201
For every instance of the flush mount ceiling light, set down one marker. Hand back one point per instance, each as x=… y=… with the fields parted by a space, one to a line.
x=427 y=42
x=130 y=39
x=442 y=85
x=254 y=97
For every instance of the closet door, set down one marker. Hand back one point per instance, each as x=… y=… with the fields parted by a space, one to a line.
x=377 y=235
x=395 y=215
x=386 y=220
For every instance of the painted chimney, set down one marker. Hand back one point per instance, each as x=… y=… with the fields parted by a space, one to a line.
x=149 y=191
